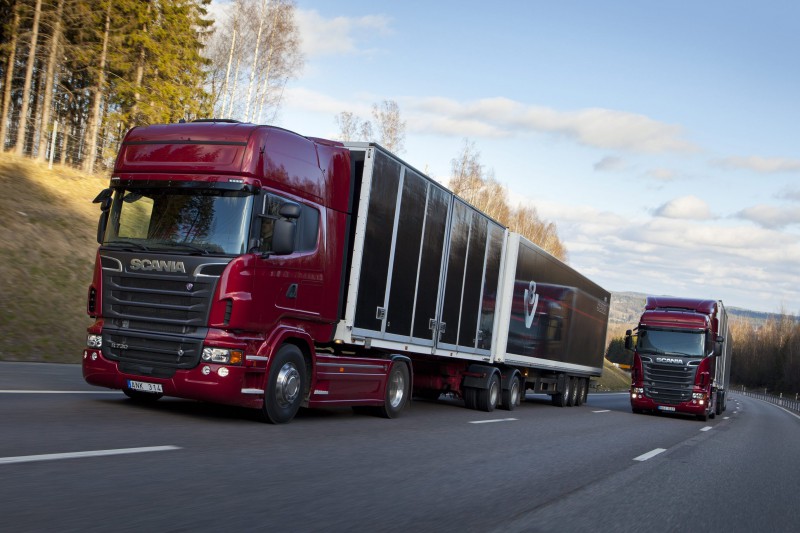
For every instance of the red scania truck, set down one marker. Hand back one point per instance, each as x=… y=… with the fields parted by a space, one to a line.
x=681 y=358
x=251 y=266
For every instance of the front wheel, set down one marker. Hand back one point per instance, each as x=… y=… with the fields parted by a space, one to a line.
x=398 y=390
x=285 y=385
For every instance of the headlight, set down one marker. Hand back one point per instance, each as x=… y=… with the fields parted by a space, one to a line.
x=637 y=390
x=222 y=355
x=94 y=341
x=698 y=396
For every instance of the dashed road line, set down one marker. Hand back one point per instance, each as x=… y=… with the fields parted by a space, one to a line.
x=650 y=454
x=603 y=411
x=493 y=420
x=707 y=428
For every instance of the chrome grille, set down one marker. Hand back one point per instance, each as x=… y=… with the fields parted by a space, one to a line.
x=668 y=383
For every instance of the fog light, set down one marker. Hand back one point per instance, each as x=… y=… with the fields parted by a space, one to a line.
x=206 y=370
x=223 y=371
x=94 y=356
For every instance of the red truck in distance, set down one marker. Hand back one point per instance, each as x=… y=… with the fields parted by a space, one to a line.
x=681 y=357
x=251 y=266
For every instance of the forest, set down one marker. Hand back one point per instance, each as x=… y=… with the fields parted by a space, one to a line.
x=77 y=74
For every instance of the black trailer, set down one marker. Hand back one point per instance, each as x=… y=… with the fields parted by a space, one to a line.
x=475 y=306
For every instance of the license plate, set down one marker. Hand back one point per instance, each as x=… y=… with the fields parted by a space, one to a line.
x=142 y=386
x=666 y=408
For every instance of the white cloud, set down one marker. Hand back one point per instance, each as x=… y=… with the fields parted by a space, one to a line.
x=789 y=194
x=771 y=216
x=685 y=207
x=339 y=35
x=764 y=165
x=610 y=164
x=595 y=127
x=661 y=174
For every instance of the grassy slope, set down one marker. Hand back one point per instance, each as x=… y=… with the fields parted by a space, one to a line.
x=613 y=378
x=47 y=249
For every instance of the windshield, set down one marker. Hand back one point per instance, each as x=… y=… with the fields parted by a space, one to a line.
x=192 y=220
x=671 y=342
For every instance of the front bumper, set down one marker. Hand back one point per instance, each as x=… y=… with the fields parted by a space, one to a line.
x=241 y=386
x=691 y=407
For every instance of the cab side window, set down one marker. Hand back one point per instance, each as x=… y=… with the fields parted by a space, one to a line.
x=307 y=224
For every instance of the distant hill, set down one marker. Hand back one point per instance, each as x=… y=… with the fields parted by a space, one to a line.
x=626 y=307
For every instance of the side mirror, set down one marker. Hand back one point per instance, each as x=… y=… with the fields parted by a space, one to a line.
x=628 y=340
x=104 y=199
x=101 y=226
x=285 y=229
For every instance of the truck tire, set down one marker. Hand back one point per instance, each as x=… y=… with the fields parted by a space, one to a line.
x=398 y=391
x=489 y=397
x=470 y=397
x=573 y=392
x=585 y=390
x=286 y=385
x=560 y=399
x=511 y=396
x=579 y=384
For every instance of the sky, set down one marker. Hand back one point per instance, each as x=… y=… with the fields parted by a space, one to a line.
x=660 y=137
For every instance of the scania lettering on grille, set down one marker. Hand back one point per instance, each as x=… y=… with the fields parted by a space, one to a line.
x=157 y=264
x=669 y=360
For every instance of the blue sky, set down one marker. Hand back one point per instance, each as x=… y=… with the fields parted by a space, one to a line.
x=660 y=137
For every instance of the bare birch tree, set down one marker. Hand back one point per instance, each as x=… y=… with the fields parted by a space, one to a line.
x=254 y=51
x=391 y=128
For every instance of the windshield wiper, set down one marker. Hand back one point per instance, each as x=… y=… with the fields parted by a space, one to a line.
x=194 y=247
x=129 y=244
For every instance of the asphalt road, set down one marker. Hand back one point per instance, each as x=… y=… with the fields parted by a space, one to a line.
x=77 y=458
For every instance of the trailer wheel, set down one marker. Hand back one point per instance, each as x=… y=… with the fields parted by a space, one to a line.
x=489 y=397
x=511 y=396
x=285 y=385
x=579 y=391
x=560 y=399
x=572 y=397
x=398 y=390
x=585 y=390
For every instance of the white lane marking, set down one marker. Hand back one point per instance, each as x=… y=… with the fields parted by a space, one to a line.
x=706 y=428
x=76 y=455
x=726 y=418
x=494 y=420
x=650 y=454
x=603 y=411
x=7 y=391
